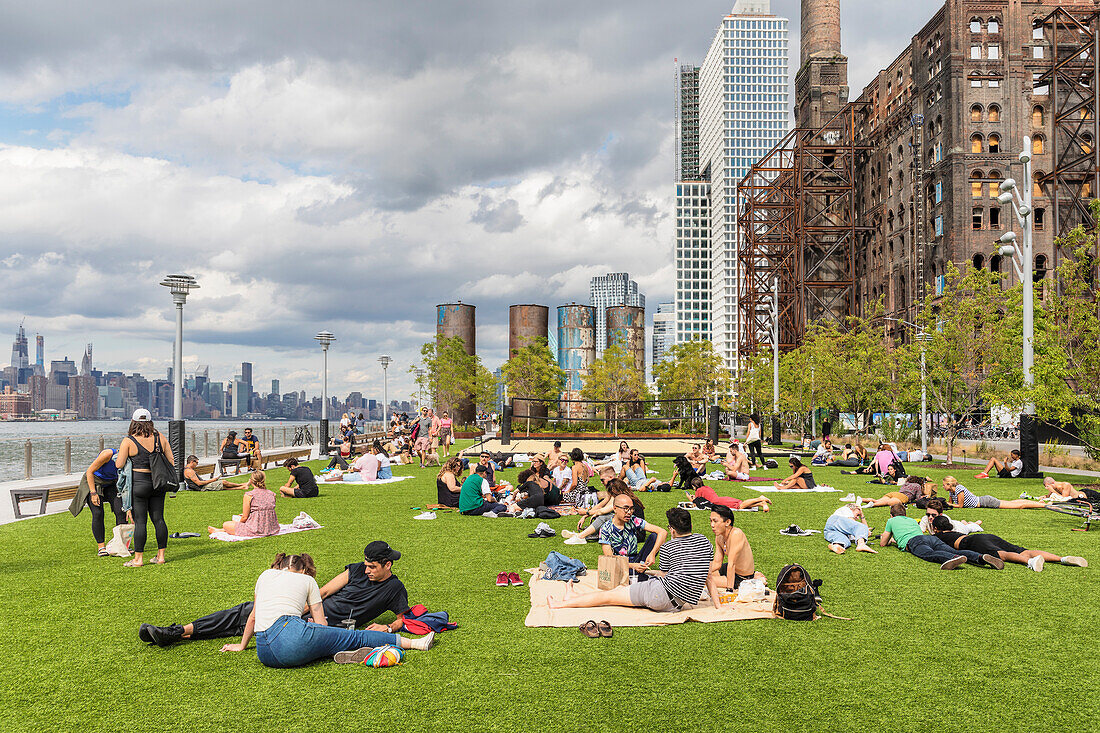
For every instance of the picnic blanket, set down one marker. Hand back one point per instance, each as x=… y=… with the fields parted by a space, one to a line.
x=768 y=488
x=355 y=477
x=283 y=529
x=542 y=615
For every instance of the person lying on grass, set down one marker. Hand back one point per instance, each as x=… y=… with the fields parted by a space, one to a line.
x=192 y=481
x=355 y=597
x=908 y=492
x=852 y=457
x=961 y=498
x=905 y=532
x=1064 y=491
x=733 y=560
x=704 y=496
x=800 y=478
x=845 y=526
x=685 y=571
x=991 y=544
x=284 y=639
x=615 y=488
x=258 y=517
x=1010 y=468
x=736 y=465
x=938 y=506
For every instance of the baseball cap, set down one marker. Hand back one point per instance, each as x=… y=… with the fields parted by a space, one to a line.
x=142 y=415
x=379 y=551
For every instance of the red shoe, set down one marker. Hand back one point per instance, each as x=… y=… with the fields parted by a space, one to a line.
x=502 y=580
x=514 y=579
x=981 y=475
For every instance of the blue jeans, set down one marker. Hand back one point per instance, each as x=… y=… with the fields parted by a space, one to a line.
x=933 y=549
x=292 y=642
x=385 y=472
x=842 y=530
x=489 y=506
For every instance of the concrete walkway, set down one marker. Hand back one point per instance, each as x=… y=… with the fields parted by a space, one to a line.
x=976 y=462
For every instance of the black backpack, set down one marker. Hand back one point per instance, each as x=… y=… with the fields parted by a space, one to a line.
x=796 y=594
x=771 y=463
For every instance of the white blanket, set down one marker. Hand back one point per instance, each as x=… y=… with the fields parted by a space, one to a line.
x=283 y=529
x=356 y=478
x=769 y=488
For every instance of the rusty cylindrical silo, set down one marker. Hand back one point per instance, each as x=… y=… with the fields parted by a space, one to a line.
x=451 y=320
x=626 y=327
x=527 y=323
x=576 y=353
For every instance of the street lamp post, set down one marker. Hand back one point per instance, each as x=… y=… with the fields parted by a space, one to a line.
x=923 y=338
x=420 y=388
x=324 y=338
x=180 y=286
x=1022 y=256
x=385 y=361
x=776 y=435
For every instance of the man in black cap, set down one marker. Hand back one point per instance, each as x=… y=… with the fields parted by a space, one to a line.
x=357 y=596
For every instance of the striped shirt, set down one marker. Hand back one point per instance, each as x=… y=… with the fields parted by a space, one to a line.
x=969 y=501
x=686 y=562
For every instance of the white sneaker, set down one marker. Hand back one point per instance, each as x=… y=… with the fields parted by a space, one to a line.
x=1078 y=562
x=574 y=540
x=1036 y=564
x=848 y=499
x=490 y=514
x=425 y=515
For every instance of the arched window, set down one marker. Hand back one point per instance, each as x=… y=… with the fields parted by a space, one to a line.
x=1038 y=119
x=994 y=183
x=976 y=113
x=889 y=161
x=1040 y=266
x=1040 y=219
x=1086 y=190
x=994 y=113
x=975 y=143
x=995 y=263
x=994 y=25
x=1037 y=145
x=994 y=143
x=939 y=92
x=890 y=187
x=978 y=261
x=975 y=25
x=976 y=184
x=1037 y=188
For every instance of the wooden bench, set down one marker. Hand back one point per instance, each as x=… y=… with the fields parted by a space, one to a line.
x=215 y=466
x=46 y=495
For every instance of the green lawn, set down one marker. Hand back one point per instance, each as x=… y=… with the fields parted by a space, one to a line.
x=970 y=649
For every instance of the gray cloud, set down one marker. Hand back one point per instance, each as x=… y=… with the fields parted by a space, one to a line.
x=498 y=218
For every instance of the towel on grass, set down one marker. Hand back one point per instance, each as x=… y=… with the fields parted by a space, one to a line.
x=769 y=488
x=283 y=529
x=356 y=478
x=542 y=615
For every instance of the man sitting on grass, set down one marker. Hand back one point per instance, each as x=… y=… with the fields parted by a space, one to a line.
x=905 y=531
x=1011 y=468
x=192 y=482
x=991 y=544
x=685 y=570
x=619 y=536
x=364 y=591
x=472 y=498
x=302 y=476
x=733 y=560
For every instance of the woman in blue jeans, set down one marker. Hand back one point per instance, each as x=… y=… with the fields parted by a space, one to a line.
x=285 y=639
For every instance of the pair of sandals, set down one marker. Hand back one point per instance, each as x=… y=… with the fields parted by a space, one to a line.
x=594 y=630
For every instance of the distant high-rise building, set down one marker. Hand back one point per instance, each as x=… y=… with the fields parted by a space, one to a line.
x=20 y=358
x=241 y=395
x=216 y=396
x=64 y=366
x=742 y=112
x=614 y=288
x=664 y=331
x=86 y=361
x=39 y=368
x=275 y=387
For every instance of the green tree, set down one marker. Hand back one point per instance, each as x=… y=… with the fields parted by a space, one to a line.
x=968 y=345
x=613 y=377
x=861 y=371
x=454 y=378
x=533 y=372
x=692 y=370
x=754 y=383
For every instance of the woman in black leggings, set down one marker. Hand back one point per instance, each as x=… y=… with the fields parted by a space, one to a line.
x=137 y=447
x=753 y=441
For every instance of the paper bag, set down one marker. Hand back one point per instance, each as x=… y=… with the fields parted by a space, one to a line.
x=611 y=572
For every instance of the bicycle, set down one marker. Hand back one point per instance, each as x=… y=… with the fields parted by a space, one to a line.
x=1078 y=508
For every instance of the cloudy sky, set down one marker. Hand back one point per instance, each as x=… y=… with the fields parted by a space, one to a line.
x=343 y=165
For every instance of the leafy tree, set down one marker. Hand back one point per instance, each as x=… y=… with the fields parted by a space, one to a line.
x=754 y=383
x=455 y=379
x=692 y=370
x=613 y=377
x=968 y=345
x=862 y=365
x=532 y=371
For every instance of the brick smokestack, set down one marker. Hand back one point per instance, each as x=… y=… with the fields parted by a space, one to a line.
x=820 y=29
x=821 y=84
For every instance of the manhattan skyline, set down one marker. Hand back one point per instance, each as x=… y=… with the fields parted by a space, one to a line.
x=347 y=176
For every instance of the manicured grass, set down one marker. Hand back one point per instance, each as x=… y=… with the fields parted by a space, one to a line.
x=971 y=649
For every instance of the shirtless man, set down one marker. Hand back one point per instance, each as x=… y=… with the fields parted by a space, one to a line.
x=733 y=561
x=696 y=458
x=553 y=458
x=736 y=465
x=1064 y=491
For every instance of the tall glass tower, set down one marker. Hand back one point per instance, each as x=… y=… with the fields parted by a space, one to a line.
x=743 y=112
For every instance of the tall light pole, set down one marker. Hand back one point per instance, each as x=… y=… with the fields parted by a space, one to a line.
x=923 y=338
x=180 y=286
x=385 y=361
x=776 y=435
x=1022 y=256
x=420 y=388
x=324 y=338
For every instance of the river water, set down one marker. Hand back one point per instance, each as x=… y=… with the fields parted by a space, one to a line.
x=48 y=440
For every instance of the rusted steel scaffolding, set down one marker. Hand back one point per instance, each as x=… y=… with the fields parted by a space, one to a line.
x=1072 y=79
x=799 y=227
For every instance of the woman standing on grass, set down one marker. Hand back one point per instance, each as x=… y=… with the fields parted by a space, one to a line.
x=148 y=503
x=258 y=517
x=284 y=639
x=752 y=441
x=446 y=433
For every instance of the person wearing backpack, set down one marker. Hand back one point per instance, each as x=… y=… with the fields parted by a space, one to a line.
x=142 y=441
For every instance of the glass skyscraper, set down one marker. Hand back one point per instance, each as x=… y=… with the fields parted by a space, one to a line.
x=614 y=288
x=743 y=111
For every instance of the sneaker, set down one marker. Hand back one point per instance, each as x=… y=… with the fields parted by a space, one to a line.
x=502 y=580
x=164 y=636
x=981 y=475
x=994 y=562
x=848 y=499
x=144 y=635
x=1036 y=564
x=514 y=579
x=574 y=540
x=953 y=563
x=356 y=656
x=425 y=515
x=494 y=515
x=1077 y=562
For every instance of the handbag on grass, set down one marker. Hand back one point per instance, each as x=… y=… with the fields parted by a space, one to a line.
x=164 y=473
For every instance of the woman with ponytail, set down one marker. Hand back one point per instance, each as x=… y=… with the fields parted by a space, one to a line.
x=258 y=517
x=284 y=639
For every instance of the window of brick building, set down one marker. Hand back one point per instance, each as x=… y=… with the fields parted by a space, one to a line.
x=994 y=218
x=994 y=113
x=1038 y=119
x=994 y=143
x=977 y=218
x=978 y=261
x=1037 y=188
x=994 y=179
x=976 y=113
x=1037 y=32
x=995 y=263
x=1037 y=52
x=976 y=184
x=1040 y=266
x=976 y=52
x=975 y=25
x=994 y=25
x=939 y=192
x=1037 y=145
x=1040 y=219
x=994 y=51
x=975 y=143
